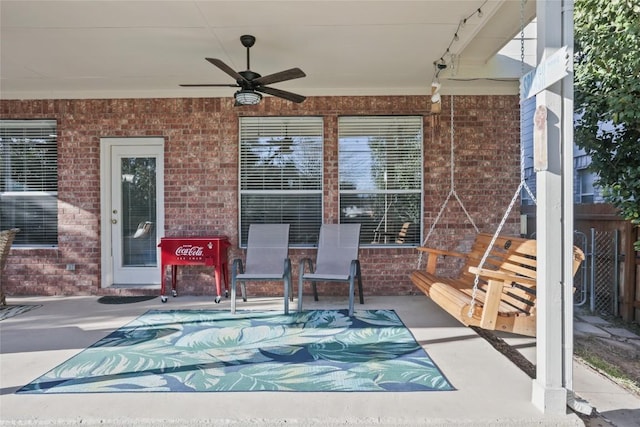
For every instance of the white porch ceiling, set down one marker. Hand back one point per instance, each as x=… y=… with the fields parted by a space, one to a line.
x=133 y=49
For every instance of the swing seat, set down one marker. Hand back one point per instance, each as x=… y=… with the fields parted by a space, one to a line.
x=505 y=298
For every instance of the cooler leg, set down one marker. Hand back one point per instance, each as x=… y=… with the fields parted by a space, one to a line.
x=217 y=272
x=163 y=298
x=225 y=278
x=174 y=276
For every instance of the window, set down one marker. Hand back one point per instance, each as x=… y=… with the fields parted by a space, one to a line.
x=29 y=180
x=281 y=175
x=380 y=172
x=585 y=186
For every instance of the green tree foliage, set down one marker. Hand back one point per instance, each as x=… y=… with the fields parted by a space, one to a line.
x=607 y=97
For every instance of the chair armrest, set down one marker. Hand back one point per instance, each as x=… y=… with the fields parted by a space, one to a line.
x=506 y=278
x=303 y=262
x=433 y=254
x=309 y=263
x=354 y=269
x=288 y=281
x=236 y=267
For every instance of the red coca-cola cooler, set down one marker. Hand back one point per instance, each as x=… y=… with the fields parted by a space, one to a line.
x=208 y=250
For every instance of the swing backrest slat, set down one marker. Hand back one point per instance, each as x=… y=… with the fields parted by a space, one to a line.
x=508 y=254
x=512 y=255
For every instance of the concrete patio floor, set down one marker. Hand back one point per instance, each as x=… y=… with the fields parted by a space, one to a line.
x=489 y=389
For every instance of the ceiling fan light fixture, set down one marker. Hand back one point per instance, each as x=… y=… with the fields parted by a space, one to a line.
x=247 y=97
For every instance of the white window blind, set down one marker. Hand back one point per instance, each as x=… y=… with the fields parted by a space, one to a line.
x=29 y=180
x=281 y=175
x=380 y=172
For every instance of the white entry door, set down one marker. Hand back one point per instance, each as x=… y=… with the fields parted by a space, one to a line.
x=132 y=210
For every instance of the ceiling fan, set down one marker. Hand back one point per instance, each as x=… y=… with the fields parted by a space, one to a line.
x=251 y=83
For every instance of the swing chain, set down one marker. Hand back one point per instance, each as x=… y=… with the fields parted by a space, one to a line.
x=452 y=182
x=522 y=151
x=452 y=192
x=476 y=281
x=523 y=182
x=522 y=3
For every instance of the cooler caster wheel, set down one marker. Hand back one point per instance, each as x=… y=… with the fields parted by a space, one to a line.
x=163 y=299
x=174 y=293
x=217 y=300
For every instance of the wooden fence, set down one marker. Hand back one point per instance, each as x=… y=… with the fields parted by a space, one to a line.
x=604 y=217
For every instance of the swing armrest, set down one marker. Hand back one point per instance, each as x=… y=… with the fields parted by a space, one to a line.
x=491 y=305
x=507 y=278
x=441 y=252
x=433 y=254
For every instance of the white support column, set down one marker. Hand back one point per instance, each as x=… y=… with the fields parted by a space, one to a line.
x=568 y=178
x=553 y=223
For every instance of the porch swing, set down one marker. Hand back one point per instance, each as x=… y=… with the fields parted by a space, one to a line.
x=496 y=287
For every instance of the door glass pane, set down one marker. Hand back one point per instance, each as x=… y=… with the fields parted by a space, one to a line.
x=139 y=211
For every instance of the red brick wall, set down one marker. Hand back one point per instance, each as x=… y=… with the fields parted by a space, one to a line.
x=201 y=180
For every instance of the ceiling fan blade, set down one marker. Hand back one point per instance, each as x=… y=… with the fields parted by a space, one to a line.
x=224 y=67
x=281 y=93
x=209 y=85
x=293 y=73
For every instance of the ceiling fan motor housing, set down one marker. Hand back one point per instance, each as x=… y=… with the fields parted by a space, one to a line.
x=249 y=76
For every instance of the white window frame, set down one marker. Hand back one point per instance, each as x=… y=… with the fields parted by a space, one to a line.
x=281 y=175
x=38 y=194
x=586 y=195
x=380 y=169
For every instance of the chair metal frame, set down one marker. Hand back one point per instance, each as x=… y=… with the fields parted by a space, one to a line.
x=267 y=259
x=336 y=261
x=6 y=240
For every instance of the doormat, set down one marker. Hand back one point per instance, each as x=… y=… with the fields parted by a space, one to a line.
x=8 y=311
x=116 y=299
x=213 y=350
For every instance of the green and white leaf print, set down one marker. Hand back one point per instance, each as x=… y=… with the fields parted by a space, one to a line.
x=215 y=351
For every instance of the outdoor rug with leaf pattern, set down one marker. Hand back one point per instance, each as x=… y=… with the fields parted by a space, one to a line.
x=213 y=350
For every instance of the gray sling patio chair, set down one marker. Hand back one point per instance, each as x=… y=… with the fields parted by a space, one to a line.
x=6 y=239
x=267 y=260
x=336 y=261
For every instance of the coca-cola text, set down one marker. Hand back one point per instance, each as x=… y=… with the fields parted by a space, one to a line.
x=189 y=250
